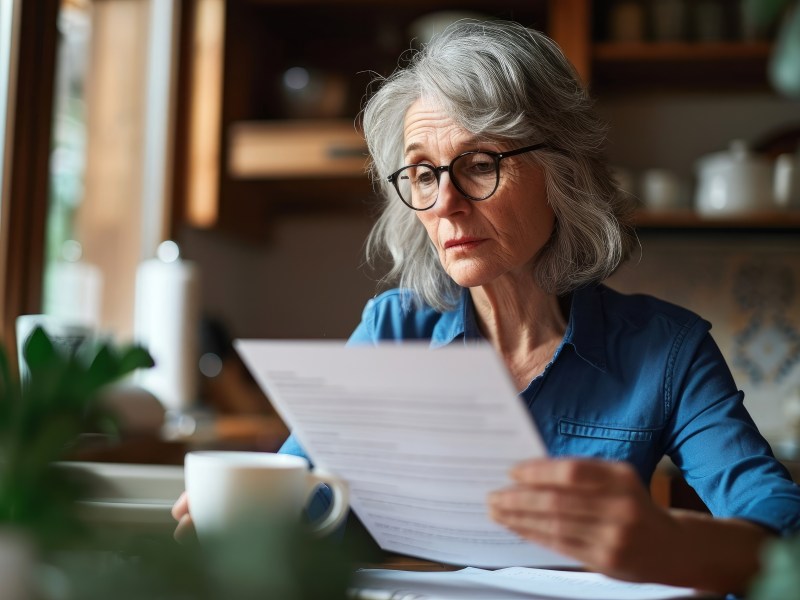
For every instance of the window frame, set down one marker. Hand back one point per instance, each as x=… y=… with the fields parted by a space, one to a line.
x=25 y=168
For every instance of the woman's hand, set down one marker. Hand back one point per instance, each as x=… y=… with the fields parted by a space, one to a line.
x=600 y=513
x=597 y=512
x=180 y=512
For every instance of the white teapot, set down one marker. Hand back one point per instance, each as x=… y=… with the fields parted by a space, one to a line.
x=733 y=182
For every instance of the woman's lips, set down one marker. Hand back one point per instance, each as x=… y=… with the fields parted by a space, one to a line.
x=463 y=243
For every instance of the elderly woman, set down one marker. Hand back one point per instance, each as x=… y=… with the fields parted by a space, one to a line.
x=501 y=219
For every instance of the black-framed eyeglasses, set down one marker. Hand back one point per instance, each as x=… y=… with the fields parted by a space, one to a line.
x=476 y=174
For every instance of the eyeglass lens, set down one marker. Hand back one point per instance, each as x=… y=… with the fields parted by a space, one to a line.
x=474 y=174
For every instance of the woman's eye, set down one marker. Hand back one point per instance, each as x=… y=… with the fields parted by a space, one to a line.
x=480 y=167
x=483 y=167
x=425 y=177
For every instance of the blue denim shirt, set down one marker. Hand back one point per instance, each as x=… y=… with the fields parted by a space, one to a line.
x=635 y=378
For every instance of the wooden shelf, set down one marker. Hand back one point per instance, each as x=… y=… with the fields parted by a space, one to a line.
x=291 y=149
x=680 y=51
x=680 y=65
x=240 y=148
x=689 y=220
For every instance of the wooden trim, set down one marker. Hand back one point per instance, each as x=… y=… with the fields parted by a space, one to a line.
x=9 y=30
x=680 y=51
x=27 y=172
x=180 y=149
x=570 y=26
x=203 y=147
x=686 y=219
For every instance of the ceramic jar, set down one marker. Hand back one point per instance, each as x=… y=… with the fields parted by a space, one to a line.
x=733 y=182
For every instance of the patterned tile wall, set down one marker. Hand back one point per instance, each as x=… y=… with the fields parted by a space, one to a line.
x=748 y=287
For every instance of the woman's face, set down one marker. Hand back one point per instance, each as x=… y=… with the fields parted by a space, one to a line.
x=478 y=242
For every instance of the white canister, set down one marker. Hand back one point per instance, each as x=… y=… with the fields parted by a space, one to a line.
x=166 y=322
x=662 y=190
x=733 y=182
x=787 y=181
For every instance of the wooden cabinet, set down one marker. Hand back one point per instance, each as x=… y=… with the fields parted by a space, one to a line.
x=704 y=49
x=247 y=145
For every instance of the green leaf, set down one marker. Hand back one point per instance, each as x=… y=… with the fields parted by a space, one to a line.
x=39 y=351
x=133 y=358
x=9 y=392
x=103 y=370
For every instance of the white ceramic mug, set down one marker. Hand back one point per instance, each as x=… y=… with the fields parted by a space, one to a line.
x=66 y=336
x=227 y=487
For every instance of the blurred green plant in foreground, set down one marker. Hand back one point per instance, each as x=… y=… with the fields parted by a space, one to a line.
x=58 y=554
x=259 y=560
x=780 y=575
x=41 y=420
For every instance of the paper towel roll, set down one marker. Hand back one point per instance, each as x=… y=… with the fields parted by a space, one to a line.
x=166 y=322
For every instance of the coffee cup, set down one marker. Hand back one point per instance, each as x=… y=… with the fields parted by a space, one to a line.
x=67 y=336
x=227 y=489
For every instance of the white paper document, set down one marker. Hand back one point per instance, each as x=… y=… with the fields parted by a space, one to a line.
x=515 y=583
x=421 y=437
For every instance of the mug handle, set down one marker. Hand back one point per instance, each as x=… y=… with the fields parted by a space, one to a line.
x=341 y=500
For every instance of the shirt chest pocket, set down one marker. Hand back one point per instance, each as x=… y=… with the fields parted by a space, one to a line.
x=611 y=442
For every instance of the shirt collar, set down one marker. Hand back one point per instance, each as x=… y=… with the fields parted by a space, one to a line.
x=458 y=323
x=585 y=329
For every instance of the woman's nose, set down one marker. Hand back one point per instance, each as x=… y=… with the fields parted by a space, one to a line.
x=450 y=200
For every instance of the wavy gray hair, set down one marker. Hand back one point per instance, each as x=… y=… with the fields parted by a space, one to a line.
x=501 y=81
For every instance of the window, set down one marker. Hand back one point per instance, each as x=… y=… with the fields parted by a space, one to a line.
x=105 y=72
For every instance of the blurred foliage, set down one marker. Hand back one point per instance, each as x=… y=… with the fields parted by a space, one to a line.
x=86 y=559
x=780 y=576
x=42 y=418
x=257 y=560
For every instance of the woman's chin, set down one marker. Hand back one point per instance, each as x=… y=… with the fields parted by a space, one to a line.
x=470 y=278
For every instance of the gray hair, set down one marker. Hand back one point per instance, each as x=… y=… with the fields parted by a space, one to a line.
x=501 y=81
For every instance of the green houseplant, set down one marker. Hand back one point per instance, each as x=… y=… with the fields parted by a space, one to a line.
x=67 y=559
x=42 y=418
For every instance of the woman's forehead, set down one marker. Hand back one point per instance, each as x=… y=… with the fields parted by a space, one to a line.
x=426 y=122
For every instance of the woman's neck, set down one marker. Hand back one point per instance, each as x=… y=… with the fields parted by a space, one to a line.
x=524 y=324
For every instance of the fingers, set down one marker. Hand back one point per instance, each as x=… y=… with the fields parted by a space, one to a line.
x=569 y=497
x=564 y=504
x=569 y=536
x=185 y=532
x=597 y=512
x=181 y=507
x=576 y=474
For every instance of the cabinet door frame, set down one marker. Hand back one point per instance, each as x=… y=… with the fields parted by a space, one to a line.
x=200 y=151
x=570 y=26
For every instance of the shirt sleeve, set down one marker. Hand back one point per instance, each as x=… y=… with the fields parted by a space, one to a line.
x=322 y=498
x=716 y=444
